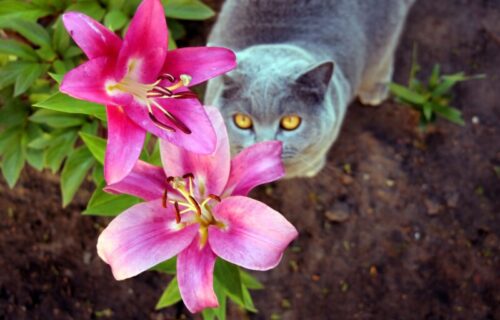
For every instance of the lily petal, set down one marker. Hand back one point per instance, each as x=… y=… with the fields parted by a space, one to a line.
x=88 y=81
x=145 y=45
x=255 y=235
x=92 y=37
x=125 y=141
x=190 y=112
x=141 y=237
x=195 y=269
x=145 y=181
x=201 y=63
x=261 y=163
x=210 y=170
x=193 y=115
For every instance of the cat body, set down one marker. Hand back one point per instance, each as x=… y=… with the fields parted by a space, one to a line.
x=302 y=61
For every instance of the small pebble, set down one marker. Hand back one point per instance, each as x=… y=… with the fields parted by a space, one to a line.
x=417 y=235
x=373 y=271
x=390 y=183
x=87 y=256
x=339 y=213
x=433 y=208
x=475 y=120
x=346 y=179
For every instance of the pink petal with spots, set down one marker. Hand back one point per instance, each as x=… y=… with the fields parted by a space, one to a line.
x=255 y=235
x=141 y=237
x=210 y=170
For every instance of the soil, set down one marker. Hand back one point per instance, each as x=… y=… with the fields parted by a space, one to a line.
x=399 y=225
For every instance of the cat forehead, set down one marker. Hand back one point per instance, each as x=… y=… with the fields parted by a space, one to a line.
x=280 y=60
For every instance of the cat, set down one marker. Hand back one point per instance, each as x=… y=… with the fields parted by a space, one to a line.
x=300 y=64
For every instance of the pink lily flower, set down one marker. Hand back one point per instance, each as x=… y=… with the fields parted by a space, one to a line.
x=143 y=86
x=197 y=208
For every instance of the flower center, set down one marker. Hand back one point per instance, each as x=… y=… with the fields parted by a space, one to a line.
x=202 y=209
x=149 y=93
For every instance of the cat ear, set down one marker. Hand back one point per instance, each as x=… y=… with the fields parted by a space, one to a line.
x=315 y=80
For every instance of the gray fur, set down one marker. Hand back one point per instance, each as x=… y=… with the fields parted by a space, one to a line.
x=285 y=50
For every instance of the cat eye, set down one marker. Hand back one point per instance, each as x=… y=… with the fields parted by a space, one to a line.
x=243 y=121
x=290 y=122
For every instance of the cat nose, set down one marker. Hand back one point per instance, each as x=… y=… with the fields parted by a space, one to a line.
x=265 y=136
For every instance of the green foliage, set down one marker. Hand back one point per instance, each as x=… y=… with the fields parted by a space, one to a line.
x=170 y=296
x=104 y=204
x=46 y=129
x=230 y=281
x=430 y=98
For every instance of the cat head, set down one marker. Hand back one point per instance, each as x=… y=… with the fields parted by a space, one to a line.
x=279 y=92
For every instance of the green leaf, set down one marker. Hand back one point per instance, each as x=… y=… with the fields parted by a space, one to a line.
x=170 y=296
x=32 y=31
x=176 y=29
x=60 y=146
x=10 y=138
x=90 y=127
x=168 y=266
x=229 y=277
x=220 y=311
x=250 y=281
x=35 y=158
x=18 y=49
x=155 y=157
x=10 y=72
x=247 y=298
x=90 y=8
x=28 y=76
x=115 y=20
x=13 y=9
x=64 y=103
x=41 y=142
x=74 y=172
x=13 y=113
x=427 y=111
x=46 y=53
x=57 y=77
x=451 y=80
x=171 y=43
x=14 y=158
x=71 y=52
x=116 y=4
x=55 y=119
x=96 y=145
x=105 y=204
x=187 y=9
x=60 y=38
x=449 y=113
x=98 y=174
x=434 y=78
x=406 y=94
x=415 y=68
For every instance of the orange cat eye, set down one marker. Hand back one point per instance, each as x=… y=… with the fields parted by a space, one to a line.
x=243 y=121
x=290 y=122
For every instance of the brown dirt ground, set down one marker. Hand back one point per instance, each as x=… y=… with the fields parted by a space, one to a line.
x=421 y=235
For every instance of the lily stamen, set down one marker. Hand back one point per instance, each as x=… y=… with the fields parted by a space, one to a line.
x=164 y=198
x=177 y=213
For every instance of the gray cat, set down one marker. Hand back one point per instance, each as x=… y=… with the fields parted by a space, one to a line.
x=300 y=63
